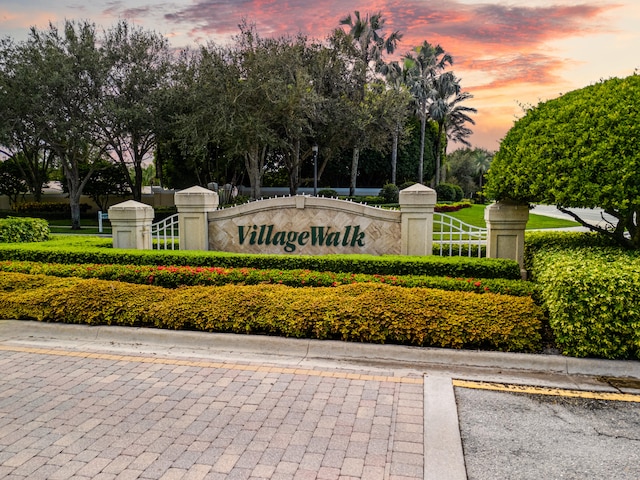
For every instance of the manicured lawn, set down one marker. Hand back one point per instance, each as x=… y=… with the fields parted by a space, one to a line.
x=88 y=227
x=475 y=216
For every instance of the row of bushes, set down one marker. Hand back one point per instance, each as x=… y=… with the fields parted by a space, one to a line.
x=173 y=277
x=366 y=312
x=49 y=210
x=71 y=250
x=591 y=291
x=17 y=230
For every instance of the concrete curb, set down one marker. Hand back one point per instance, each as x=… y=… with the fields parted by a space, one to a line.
x=305 y=349
x=443 y=453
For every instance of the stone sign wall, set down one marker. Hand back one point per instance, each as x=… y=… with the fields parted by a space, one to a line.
x=305 y=225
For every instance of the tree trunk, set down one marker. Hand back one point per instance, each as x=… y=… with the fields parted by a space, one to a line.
x=423 y=127
x=137 y=183
x=354 y=171
x=74 y=203
x=253 y=164
x=438 y=156
x=394 y=154
x=294 y=169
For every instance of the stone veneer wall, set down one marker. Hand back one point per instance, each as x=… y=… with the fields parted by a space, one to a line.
x=367 y=229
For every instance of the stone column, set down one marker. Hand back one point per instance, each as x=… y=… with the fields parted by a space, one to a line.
x=506 y=223
x=131 y=225
x=416 y=207
x=193 y=206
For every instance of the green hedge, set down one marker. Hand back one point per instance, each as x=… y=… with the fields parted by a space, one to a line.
x=92 y=250
x=17 y=230
x=173 y=277
x=374 y=313
x=592 y=293
x=49 y=210
x=549 y=241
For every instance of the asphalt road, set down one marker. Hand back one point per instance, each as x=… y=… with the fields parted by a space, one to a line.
x=520 y=436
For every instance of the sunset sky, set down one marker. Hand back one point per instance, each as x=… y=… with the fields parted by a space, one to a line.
x=507 y=53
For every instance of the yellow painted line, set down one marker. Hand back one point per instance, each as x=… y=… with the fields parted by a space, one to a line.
x=205 y=364
x=559 y=392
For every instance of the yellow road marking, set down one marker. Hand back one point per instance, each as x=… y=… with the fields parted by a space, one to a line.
x=560 y=392
x=206 y=364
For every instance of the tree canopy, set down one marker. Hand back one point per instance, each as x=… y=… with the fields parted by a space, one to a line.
x=580 y=150
x=75 y=96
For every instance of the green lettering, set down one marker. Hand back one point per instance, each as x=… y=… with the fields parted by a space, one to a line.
x=345 y=239
x=261 y=236
x=252 y=236
x=358 y=237
x=290 y=247
x=280 y=238
x=241 y=234
x=269 y=232
x=302 y=238
x=318 y=236
x=333 y=239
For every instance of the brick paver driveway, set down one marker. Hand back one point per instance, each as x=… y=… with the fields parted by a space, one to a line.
x=68 y=414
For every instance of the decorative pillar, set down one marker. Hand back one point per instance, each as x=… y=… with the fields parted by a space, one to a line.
x=416 y=208
x=131 y=225
x=506 y=223
x=193 y=206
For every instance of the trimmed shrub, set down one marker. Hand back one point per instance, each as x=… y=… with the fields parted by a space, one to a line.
x=173 y=277
x=451 y=207
x=448 y=192
x=16 y=230
x=390 y=193
x=49 y=210
x=445 y=192
x=593 y=303
x=70 y=250
x=591 y=292
x=549 y=241
x=328 y=192
x=359 y=313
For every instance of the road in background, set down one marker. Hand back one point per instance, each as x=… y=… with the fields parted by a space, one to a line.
x=594 y=216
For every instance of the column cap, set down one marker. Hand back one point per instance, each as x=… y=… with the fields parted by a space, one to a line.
x=131 y=210
x=418 y=195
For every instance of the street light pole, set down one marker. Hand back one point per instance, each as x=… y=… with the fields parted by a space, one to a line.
x=315 y=170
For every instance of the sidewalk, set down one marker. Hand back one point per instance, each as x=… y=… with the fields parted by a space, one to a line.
x=81 y=402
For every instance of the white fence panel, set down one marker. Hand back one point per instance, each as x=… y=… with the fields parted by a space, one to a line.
x=165 y=233
x=451 y=234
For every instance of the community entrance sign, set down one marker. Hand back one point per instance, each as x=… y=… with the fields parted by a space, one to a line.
x=298 y=225
x=305 y=225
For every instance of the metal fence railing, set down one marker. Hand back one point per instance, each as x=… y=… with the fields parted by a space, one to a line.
x=165 y=234
x=455 y=237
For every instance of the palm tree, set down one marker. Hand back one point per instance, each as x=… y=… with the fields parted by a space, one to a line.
x=482 y=160
x=396 y=76
x=423 y=67
x=450 y=116
x=370 y=44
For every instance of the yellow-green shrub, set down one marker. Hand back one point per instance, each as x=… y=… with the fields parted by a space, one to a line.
x=360 y=312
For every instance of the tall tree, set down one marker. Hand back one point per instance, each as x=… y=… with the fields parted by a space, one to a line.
x=396 y=77
x=369 y=46
x=20 y=138
x=423 y=67
x=578 y=151
x=482 y=162
x=139 y=64
x=69 y=81
x=450 y=115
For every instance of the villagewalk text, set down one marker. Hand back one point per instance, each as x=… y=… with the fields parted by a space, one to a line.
x=316 y=236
